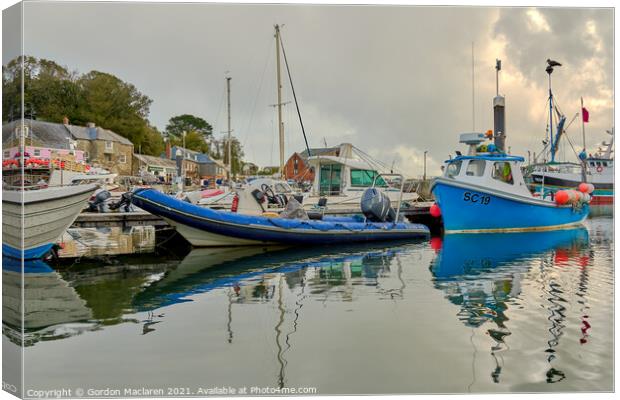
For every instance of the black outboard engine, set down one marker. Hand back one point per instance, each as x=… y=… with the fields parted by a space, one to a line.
x=376 y=206
x=98 y=201
x=124 y=201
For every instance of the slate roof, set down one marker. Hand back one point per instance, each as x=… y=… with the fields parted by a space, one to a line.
x=49 y=134
x=57 y=136
x=156 y=161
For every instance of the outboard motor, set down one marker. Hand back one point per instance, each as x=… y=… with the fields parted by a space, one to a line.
x=124 y=201
x=98 y=201
x=376 y=206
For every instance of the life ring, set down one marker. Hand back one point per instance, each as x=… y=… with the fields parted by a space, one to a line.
x=599 y=169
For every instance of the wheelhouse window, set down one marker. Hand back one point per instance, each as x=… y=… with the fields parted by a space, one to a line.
x=365 y=178
x=453 y=169
x=475 y=168
x=502 y=172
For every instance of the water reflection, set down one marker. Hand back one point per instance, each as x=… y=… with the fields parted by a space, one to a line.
x=482 y=274
x=106 y=241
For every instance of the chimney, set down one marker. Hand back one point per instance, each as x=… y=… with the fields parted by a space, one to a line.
x=168 y=150
x=65 y=120
x=92 y=130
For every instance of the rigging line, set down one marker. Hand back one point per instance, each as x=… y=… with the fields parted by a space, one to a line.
x=219 y=112
x=260 y=86
x=295 y=97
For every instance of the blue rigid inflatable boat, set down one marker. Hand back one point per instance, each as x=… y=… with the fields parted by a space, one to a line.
x=204 y=227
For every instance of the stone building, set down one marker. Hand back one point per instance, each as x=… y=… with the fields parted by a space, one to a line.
x=103 y=148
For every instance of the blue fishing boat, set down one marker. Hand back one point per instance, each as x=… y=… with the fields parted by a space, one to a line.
x=485 y=192
x=204 y=227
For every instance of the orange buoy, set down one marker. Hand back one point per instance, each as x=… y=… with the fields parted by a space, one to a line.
x=561 y=197
x=583 y=187
x=435 y=210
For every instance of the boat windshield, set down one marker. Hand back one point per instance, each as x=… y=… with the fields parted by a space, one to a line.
x=365 y=178
x=453 y=169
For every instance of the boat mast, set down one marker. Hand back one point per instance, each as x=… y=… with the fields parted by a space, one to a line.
x=583 y=127
x=229 y=172
x=551 y=147
x=279 y=84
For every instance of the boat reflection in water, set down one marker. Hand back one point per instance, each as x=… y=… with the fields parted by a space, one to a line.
x=247 y=269
x=47 y=300
x=482 y=274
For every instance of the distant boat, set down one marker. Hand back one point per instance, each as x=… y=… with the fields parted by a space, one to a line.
x=33 y=220
x=204 y=227
x=551 y=177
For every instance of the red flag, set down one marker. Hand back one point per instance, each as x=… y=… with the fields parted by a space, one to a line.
x=585 y=114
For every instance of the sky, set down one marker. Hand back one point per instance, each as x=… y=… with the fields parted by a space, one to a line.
x=393 y=80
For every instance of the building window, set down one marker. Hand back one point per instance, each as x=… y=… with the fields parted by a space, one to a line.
x=109 y=145
x=86 y=156
x=122 y=159
x=37 y=152
x=6 y=154
x=108 y=157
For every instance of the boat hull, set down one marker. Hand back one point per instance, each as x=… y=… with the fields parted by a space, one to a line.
x=32 y=221
x=473 y=209
x=204 y=227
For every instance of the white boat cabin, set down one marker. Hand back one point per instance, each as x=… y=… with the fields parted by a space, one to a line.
x=490 y=170
x=345 y=176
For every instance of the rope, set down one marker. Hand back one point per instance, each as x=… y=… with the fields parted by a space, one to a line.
x=295 y=97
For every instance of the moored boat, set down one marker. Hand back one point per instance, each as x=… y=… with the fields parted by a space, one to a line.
x=32 y=220
x=204 y=227
x=486 y=192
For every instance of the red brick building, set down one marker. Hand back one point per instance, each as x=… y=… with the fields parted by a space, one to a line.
x=297 y=168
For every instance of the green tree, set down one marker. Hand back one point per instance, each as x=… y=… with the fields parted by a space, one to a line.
x=193 y=141
x=50 y=90
x=236 y=153
x=152 y=143
x=188 y=123
x=113 y=104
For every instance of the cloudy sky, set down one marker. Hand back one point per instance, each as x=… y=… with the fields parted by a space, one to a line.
x=393 y=80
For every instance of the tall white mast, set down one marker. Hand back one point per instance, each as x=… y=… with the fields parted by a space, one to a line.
x=279 y=83
x=229 y=173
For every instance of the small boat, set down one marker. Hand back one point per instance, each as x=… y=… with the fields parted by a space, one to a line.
x=485 y=192
x=599 y=170
x=549 y=176
x=204 y=227
x=32 y=220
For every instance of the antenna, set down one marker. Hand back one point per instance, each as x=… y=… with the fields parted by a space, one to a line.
x=498 y=67
x=473 y=90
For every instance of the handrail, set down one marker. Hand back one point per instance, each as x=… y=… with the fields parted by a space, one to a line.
x=400 y=196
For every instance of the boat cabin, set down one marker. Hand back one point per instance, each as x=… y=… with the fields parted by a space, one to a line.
x=335 y=176
x=489 y=170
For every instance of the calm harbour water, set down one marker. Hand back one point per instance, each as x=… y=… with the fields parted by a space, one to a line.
x=469 y=313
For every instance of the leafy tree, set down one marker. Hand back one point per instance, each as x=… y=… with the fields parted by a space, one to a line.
x=153 y=142
x=193 y=141
x=188 y=123
x=50 y=90
x=111 y=103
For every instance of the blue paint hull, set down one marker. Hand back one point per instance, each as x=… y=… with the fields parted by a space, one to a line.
x=466 y=209
x=249 y=229
x=28 y=254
